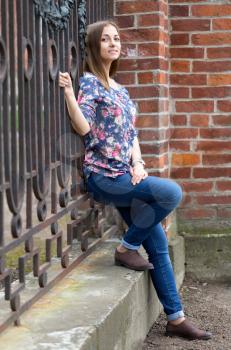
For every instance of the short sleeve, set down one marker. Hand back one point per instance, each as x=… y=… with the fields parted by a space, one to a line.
x=88 y=97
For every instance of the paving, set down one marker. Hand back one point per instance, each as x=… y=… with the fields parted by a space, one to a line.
x=207 y=305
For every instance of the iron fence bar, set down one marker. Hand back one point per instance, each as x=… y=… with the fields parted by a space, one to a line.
x=40 y=155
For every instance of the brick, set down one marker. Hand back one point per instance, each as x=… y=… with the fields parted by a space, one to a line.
x=144 y=91
x=211 y=39
x=188 y=79
x=151 y=135
x=149 y=63
x=162 y=173
x=128 y=65
x=216 y=52
x=148 y=121
x=153 y=19
x=211 y=10
x=179 y=145
x=184 y=133
x=221 y=24
x=129 y=50
x=186 y=52
x=223 y=186
x=148 y=106
x=155 y=49
x=224 y=106
x=185 y=159
x=200 y=213
x=179 y=119
x=179 y=39
x=124 y=7
x=200 y=120
x=146 y=78
x=211 y=92
x=213 y=145
x=219 y=79
x=214 y=199
x=156 y=162
x=180 y=66
x=125 y=21
x=143 y=64
x=141 y=35
x=179 y=11
x=183 y=1
x=189 y=25
x=153 y=78
x=195 y=106
x=161 y=78
x=221 y=120
x=154 y=148
x=179 y=92
x=126 y=78
x=216 y=159
x=180 y=173
x=205 y=66
x=215 y=133
x=197 y=186
x=211 y=172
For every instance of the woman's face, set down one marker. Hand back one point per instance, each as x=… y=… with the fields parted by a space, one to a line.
x=110 y=45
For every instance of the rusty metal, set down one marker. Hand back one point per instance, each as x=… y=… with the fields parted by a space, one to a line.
x=40 y=155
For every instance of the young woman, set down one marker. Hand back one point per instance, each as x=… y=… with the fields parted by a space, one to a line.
x=114 y=170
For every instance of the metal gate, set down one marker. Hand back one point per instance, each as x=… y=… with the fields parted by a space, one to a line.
x=47 y=224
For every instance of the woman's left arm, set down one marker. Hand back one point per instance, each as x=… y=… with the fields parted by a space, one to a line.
x=137 y=169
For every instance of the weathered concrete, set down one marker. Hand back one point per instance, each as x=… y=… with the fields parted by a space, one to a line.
x=208 y=257
x=98 y=306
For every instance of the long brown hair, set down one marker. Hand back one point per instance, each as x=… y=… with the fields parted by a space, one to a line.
x=92 y=61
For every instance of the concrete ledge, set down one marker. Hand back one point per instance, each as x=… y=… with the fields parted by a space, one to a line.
x=98 y=306
x=208 y=257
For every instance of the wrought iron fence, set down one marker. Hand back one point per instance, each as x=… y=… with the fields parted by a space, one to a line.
x=45 y=218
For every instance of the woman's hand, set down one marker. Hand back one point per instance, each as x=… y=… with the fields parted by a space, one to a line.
x=66 y=83
x=138 y=173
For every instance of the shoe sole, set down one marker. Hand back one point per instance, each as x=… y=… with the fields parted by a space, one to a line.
x=119 y=263
x=173 y=335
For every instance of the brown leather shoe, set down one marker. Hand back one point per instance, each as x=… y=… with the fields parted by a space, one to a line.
x=186 y=330
x=132 y=260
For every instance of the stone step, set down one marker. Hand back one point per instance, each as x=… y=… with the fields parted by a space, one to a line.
x=97 y=306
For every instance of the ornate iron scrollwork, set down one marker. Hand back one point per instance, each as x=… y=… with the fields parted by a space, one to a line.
x=56 y=15
x=82 y=20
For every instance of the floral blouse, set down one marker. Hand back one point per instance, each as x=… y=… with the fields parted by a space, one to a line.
x=111 y=116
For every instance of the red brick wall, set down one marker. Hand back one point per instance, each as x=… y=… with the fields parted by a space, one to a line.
x=183 y=98
x=144 y=69
x=200 y=90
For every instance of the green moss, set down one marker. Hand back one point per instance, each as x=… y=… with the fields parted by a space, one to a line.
x=13 y=255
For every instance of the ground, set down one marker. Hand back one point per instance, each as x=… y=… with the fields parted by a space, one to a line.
x=208 y=305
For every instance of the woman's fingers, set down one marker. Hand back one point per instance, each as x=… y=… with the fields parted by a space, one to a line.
x=64 y=79
x=136 y=178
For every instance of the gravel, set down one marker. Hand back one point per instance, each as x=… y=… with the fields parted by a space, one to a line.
x=207 y=305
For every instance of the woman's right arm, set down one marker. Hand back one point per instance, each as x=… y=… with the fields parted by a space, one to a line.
x=78 y=121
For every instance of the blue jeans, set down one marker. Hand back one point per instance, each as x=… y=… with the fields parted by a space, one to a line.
x=143 y=206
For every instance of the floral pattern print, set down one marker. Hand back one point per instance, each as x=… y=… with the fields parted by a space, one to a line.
x=111 y=116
